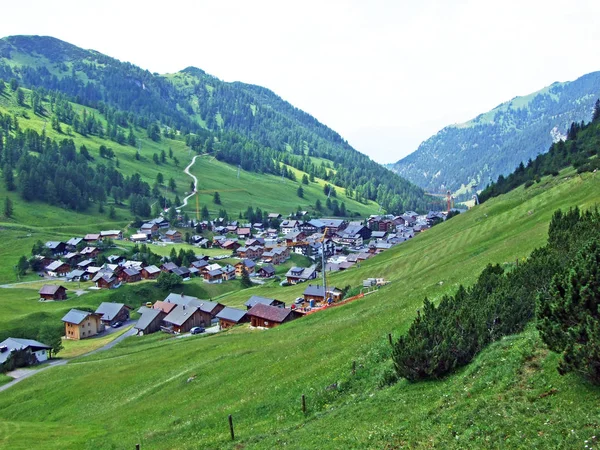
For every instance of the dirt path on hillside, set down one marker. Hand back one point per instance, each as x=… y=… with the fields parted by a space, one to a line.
x=187 y=171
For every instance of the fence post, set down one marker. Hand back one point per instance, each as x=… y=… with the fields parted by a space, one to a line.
x=390 y=338
x=137 y=446
x=303 y=404
x=353 y=367
x=231 y=427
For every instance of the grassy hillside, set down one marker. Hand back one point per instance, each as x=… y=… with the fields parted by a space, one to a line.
x=178 y=393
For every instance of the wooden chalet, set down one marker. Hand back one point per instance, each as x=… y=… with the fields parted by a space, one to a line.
x=150 y=272
x=82 y=324
x=247 y=264
x=316 y=292
x=113 y=312
x=56 y=247
x=91 y=237
x=53 y=292
x=173 y=236
x=229 y=317
x=269 y=316
x=266 y=271
x=58 y=269
x=130 y=275
x=244 y=233
x=255 y=300
x=149 y=321
x=90 y=252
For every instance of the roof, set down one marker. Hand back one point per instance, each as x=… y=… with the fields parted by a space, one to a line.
x=269 y=313
x=139 y=236
x=180 y=314
x=169 y=266
x=92 y=237
x=353 y=229
x=255 y=300
x=247 y=263
x=317 y=290
x=243 y=231
x=164 y=306
x=268 y=268
x=54 y=265
x=148 y=315
x=74 y=241
x=172 y=233
x=131 y=272
x=109 y=310
x=19 y=344
x=110 y=232
x=85 y=262
x=50 y=289
x=332 y=223
x=231 y=314
x=53 y=244
x=215 y=273
x=76 y=316
x=151 y=269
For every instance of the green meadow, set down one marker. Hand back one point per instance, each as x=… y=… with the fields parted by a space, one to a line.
x=178 y=393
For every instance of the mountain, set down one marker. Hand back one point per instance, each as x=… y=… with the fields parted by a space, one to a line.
x=243 y=125
x=474 y=153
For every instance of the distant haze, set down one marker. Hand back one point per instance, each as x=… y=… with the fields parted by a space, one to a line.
x=385 y=74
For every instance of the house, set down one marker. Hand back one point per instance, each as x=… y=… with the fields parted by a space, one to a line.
x=247 y=264
x=82 y=324
x=130 y=275
x=106 y=280
x=53 y=292
x=253 y=252
x=300 y=274
x=260 y=242
x=315 y=292
x=183 y=272
x=173 y=236
x=378 y=234
x=90 y=252
x=289 y=226
x=56 y=247
x=91 y=237
x=294 y=237
x=213 y=276
x=266 y=316
x=266 y=271
x=169 y=267
x=354 y=232
x=229 y=317
x=139 y=237
x=333 y=226
x=190 y=312
x=243 y=233
x=150 y=272
x=200 y=264
x=57 y=269
x=379 y=247
x=77 y=275
x=149 y=321
x=165 y=307
x=113 y=312
x=161 y=222
x=149 y=229
x=118 y=259
x=230 y=244
x=255 y=300
x=276 y=255
x=85 y=264
x=231 y=228
x=73 y=243
x=32 y=352
x=111 y=234
x=228 y=272
x=258 y=226
x=274 y=216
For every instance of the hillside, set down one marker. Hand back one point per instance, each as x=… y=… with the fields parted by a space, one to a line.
x=240 y=124
x=178 y=393
x=466 y=157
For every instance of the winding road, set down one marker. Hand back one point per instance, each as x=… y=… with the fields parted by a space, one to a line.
x=187 y=171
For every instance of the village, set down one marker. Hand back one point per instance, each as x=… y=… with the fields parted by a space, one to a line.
x=251 y=251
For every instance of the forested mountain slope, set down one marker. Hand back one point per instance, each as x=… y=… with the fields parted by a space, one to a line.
x=476 y=152
x=241 y=124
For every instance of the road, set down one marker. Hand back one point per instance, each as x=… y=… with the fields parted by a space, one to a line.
x=23 y=373
x=187 y=171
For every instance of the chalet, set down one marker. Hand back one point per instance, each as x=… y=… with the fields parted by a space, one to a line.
x=165 y=307
x=202 y=257
x=210 y=267
x=72 y=258
x=409 y=220
x=111 y=234
x=232 y=228
x=82 y=324
x=243 y=233
x=173 y=236
x=57 y=269
x=73 y=243
x=106 y=280
x=83 y=265
x=149 y=229
x=230 y=244
x=194 y=272
x=379 y=247
x=32 y=352
x=247 y=264
x=258 y=226
x=229 y=317
x=77 y=275
x=289 y=226
x=150 y=272
x=168 y=267
x=56 y=247
x=352 y=231
x=149 y=321
x=253 y=252
x=269 y=316
x=213 y=276
x=53 y=292
x=199 y=264
x=161 y=222
x=91 y=237
x=206 y=310
x=90 y=252
x=113 y=312
x=378 y=234
x=274 y=216
x=315 y=292
x=300 y=274
x=266 y=271
x=183 y=318
x=276 y=255
x=294 y=237
x=228 y=272
x=333 y=226
x=130 y=275
x=255 y=300
x=183 y=272
x=139 y=237
x=259 y=242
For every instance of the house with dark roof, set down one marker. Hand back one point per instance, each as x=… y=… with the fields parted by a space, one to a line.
x=266 y=316
x=228 y=272
x=208 y=310
x=247 y=264
x=300 y=274
x=106 y=279
x=82 y=324
x=57 y=269
x=168 y=267
x=31 y=352
x=53 y=292
x=90 y=252
x=113 y=312
x=111 y=234
x=73 y=243
x=316 y=292
x=229 y=317
x=150 y=272
x=266 y=271
x=183 y=318
x=289 y=226
x=150 y=320
x=130 y=275
x=255 y=300
x=56 y=247
x=213 y=276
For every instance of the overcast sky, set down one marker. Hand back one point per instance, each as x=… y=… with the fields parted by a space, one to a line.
x=386 y=75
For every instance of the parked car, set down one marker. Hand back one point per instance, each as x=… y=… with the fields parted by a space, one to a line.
x=197 y=330
x=116 y=324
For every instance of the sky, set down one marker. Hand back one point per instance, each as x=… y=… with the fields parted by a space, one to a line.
x=386 y=75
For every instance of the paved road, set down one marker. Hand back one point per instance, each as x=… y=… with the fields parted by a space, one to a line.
x=21 y=374
x=187 y=171
x=211 y=330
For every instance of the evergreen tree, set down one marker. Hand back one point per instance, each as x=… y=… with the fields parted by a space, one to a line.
x=596 y=115
x=163 y=156
x=14 y=84
x=155 y=159
x=216 y=198
x=160 y=179
x=9 y=180
x=20 y=97
x=170 y=153
x=22 y=266
x=8 y=208
x=172 y=185
x=304 y=179
x=192 y=187
x=318 y=205
x=204 y=213
x=245 y=280
x=300 y=192
x=112 y=214
x=51 y=336
x=131 y=137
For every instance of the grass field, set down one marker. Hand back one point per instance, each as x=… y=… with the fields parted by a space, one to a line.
x=77 y=348
x=511 y=396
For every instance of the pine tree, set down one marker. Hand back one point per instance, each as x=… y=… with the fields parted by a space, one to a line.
x=245 y=281
x=112 y=214
x=216 y=198
x=172 y=184
x=300 y=192
x=596 y=115
x=8 y=208
x=22 y=266
x=304 y=179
